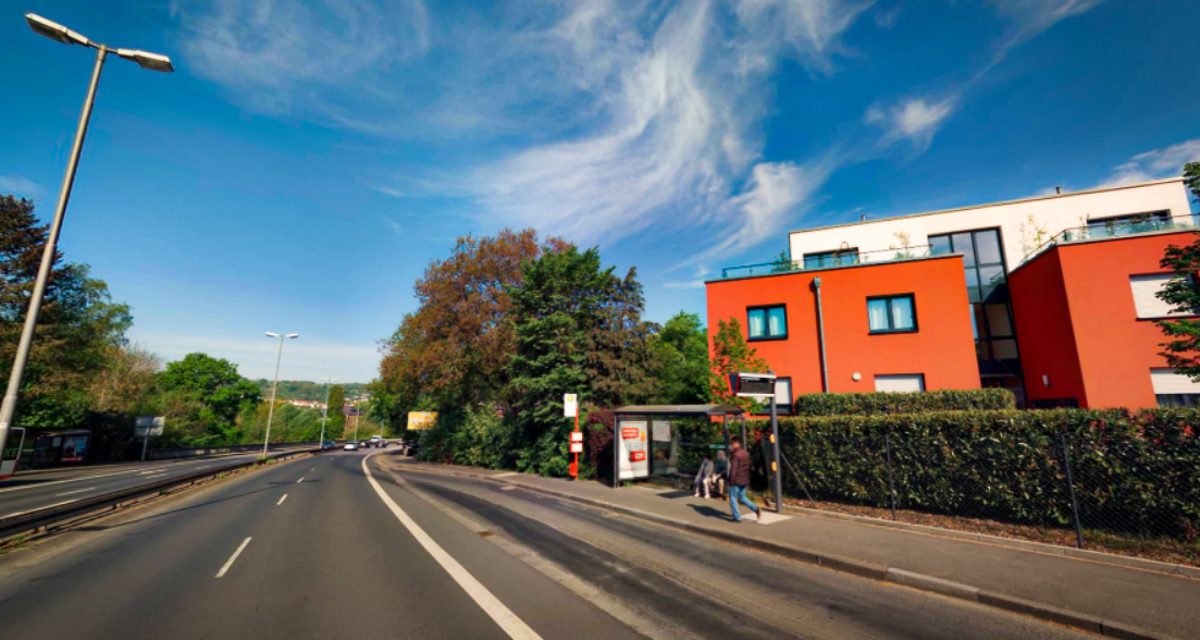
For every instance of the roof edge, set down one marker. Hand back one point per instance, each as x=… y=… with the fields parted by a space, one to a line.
x=986 y=205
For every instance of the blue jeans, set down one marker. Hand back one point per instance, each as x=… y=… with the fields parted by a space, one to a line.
x=737 y=493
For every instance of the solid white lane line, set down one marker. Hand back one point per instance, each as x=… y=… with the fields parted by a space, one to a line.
x=491 y=605
x=48 y=506
x=54 y=482
x=67 y=493
x=233 y=558
x=281 y=500
x=300 y=480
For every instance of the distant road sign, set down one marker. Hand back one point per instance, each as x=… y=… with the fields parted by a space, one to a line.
x=570 y=405
x=576 y=447
x=420 y=420
x=149 y=425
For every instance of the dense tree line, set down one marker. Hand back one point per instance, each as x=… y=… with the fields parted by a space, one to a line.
x=506 y=325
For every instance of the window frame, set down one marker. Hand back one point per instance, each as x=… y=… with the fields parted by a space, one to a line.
x=912 y=298
x=766 y=308
x=781 y=408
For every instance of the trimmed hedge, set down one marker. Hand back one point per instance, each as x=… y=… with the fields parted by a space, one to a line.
x=1134 y=473
x=836 y=404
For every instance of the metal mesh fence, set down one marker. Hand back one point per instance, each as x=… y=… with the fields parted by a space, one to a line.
x=1072 y=487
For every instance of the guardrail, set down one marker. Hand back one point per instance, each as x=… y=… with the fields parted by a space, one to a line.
x=45 y=517
x=828 y=260
x=192 y=452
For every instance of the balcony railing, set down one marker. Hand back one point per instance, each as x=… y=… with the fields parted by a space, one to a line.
x=1102 y=229
x=828 y=260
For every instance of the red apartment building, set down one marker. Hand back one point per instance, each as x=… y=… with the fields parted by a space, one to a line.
x=1051 y=297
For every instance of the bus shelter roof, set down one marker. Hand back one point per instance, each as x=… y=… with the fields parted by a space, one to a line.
x=684 y=410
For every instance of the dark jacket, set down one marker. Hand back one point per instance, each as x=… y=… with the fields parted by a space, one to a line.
x=739 y=468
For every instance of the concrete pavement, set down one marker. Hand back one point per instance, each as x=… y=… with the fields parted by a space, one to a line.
x=1115 y=594
x=313 y=549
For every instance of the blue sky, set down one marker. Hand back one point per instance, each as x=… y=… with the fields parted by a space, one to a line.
x=308 y=159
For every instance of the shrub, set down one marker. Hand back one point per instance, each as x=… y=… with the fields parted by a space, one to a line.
x=836 y=404
x=1137 y=473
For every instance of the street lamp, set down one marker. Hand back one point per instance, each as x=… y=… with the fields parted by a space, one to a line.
x=275 y=385
x=59 y=33
x=325 y=413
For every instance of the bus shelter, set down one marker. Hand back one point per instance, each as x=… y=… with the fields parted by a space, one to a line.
x=645 y=443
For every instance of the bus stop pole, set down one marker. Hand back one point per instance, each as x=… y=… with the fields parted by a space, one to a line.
x=145 y=443
x=776 y=475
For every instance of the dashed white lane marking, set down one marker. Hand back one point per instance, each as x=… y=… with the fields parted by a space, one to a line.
x=281 y=500
x=68 y=493
x=300 y=480
x=233 y=558
x=491 y=605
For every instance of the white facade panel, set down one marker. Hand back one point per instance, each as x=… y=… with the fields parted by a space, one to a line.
x=900 y=382
x=1024 y=225
x=1167 y=382
x=1145 y=295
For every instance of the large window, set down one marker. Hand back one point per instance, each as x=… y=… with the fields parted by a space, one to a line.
x=892 y=314
x=767 y=323
x=987 y=291
x=1174 y=389
x=1145 y=296
x=827 y=259
x=1129 y=223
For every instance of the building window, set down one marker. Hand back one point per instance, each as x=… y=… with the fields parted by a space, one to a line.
x=767 y=323
x=1174 y=389
x=987 y=290
x=1145 y=296
x=892 y=314
x=827 y=259
x=900 y=382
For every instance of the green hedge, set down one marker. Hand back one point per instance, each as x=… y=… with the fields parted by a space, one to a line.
x=1135 y=473
x=836 y=404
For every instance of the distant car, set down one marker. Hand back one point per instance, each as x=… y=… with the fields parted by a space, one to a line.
x=376 y=440
x=382 y=444
x=350 y=446
x=328 y=444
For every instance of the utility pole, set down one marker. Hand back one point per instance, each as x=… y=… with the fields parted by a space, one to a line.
x=275 y=384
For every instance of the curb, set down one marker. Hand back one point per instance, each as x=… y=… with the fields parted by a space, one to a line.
x=857 y=567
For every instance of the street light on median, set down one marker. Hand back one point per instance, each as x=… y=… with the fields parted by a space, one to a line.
x=145 y=59
x=275 y=384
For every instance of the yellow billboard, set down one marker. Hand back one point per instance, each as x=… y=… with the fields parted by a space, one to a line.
x=418 y=420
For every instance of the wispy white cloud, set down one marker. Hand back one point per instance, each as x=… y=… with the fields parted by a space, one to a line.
x=277 y=52
x=1154 y=164
x=680 y=105
x=20 y=186
x=916 y=120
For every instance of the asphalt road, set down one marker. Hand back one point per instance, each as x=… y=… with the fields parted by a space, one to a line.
x=28 y=491
x=317 y=548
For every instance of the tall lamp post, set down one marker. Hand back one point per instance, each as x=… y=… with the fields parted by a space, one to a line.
x=146 y=60
x=275 y=384
x=325 y=412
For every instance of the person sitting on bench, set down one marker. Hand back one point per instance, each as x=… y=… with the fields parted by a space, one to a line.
x=703 y=480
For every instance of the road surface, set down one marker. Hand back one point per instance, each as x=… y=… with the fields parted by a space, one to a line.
x=31 y=490
x=355 y=545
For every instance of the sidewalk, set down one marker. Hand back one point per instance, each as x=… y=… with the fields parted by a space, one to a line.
x=1112 y=595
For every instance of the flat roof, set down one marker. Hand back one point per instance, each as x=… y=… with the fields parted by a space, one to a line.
x=1086 y=241
x=1050 y=196
x=681 y=410
x=856 y=265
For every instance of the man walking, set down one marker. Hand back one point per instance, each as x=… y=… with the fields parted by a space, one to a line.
x=739 y=481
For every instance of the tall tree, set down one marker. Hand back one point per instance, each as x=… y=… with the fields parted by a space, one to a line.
x=213 y=388
x=126 y=384
x=578 y=330
x=679 y=361
x=1182 y=348
x=730 y=354
x=337 y=419
x=454 y=349
x=78 y=327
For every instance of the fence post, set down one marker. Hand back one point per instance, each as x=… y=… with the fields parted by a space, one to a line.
x=887 y=447
x=1062 y=440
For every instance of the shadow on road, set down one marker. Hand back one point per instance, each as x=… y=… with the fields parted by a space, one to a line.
x=710 y=512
